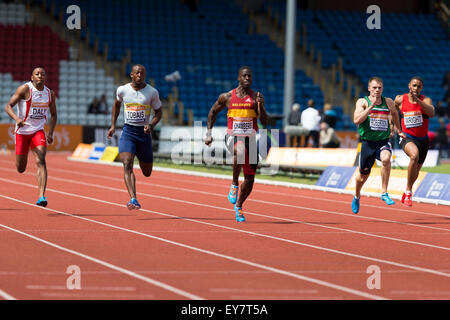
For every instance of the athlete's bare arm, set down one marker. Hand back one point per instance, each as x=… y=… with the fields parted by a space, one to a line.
x=22 y=93
x=218 y=106
x=398 y=102
x=362 y=111
x=157 y=117
x=426 y=104
x=394 y=116
x=261 y=108
x=114 y=115
x=53 y=119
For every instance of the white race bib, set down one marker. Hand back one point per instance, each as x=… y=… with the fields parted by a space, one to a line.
x=379 y=122
x=38 y=110
x=243 y=126
x=136 y=113
x=413 y=119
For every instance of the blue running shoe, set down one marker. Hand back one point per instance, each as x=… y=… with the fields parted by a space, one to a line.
x=133 y=204
x=232 y=195
x=42 y=201
x=239 y=214
x=355 y=205
x=385 y=197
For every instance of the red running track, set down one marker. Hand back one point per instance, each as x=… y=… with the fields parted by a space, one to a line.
x=186 y=244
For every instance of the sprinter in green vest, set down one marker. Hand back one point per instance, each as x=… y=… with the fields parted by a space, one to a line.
x=373 y=116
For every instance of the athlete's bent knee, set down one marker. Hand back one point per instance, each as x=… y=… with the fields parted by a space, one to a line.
x=386 y=162
x=21 y=169
x=147 y=172
x=41 y=163
x=127 y=165
x=414 y=157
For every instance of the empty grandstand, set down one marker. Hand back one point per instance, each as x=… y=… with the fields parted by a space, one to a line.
x=207 y=44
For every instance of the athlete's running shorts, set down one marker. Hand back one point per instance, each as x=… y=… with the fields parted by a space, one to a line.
x=250 y=162
x=371 y=150
x=25 y=142
x=423 y=144
x=135 y=141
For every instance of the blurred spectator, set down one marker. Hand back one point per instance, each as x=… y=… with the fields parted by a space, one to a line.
x=94 y=107
x=329 y=115
x=442 y=139
x=103 y=105
x=448 y=107
x=310 y=119
x=440 y=110
x=432 y=137
x=328 y=137
x=446 y=84
x=294 y=115
x=294 y=121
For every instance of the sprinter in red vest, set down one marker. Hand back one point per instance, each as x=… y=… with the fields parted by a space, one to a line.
x=415 y=110
x=245 y=106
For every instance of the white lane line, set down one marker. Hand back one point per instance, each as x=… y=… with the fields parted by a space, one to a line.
x=258 y=191
x=399 y=209
x=254 y=191
x=295 y=195
x=253 y=233
x=262 y=215
x=208 y=252
x=103 y=263
x=6 y=296
x=359 y=216
x=262 y=181
x=227 y=209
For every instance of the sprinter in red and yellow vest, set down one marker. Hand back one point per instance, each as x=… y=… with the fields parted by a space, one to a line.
x=415 y=110
x=245 y=106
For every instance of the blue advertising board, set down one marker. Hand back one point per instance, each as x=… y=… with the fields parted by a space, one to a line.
x=435 y=186
x=336 y=177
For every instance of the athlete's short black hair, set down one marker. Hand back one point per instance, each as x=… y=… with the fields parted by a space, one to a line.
x=243 y=68
x=416 y=78
x=38 y=68
x=138 y=65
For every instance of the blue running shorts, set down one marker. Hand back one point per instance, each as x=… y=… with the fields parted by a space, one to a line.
x=371 y=150
x=135 y=141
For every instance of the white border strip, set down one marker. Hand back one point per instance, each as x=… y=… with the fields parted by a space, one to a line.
x=264 y=181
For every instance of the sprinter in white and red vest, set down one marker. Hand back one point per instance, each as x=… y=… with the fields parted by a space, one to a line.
x=34 y=102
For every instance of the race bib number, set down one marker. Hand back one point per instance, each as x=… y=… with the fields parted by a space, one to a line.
x=38 y=111
x=379 y=122
x=243 y=126
x=136 y=113
x=413 y=119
